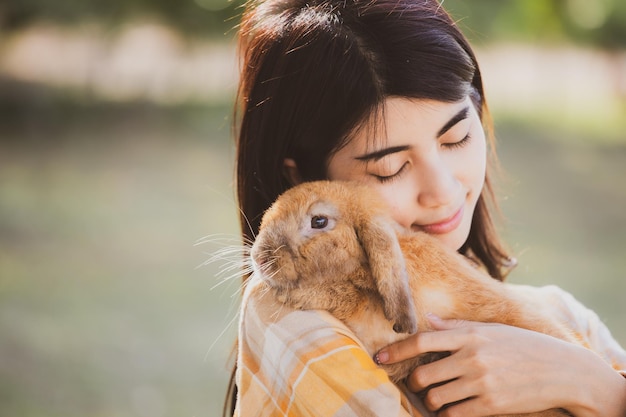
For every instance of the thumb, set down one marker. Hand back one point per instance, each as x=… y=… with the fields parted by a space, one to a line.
x=448 y=324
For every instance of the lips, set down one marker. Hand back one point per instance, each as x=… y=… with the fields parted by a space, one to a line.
x=444 y=226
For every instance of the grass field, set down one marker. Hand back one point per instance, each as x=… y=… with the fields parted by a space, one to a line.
x=103 y=311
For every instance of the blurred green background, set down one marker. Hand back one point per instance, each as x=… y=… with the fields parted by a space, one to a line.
x=116 y=156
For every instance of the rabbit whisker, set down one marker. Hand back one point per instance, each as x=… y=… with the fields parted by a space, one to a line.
x=277 y=312
x=228 y=326
x=242 y=284
x=273 y=274
x=278 y=248
x=268 y=266
x=221 y=238
x=228 y=278
x=224 y=256
x=229 y=254
x=234 y=204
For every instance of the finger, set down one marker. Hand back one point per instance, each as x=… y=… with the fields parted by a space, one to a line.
x=417 y=344
x=449 y=324
x=471 y=407
x=449 y=393
x=436 y=372
x=449 y=336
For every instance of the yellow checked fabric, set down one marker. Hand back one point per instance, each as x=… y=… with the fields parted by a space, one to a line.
x=307 y=363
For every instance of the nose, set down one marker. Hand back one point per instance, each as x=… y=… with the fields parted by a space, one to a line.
x=437 y=184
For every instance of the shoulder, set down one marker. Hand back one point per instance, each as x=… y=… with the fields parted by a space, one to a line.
x=563 y=306
x=560 y=304
x=284 y=342
x=270 y=324
x=557 y=301
x=306 y=363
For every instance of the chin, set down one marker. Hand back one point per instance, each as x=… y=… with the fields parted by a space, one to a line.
x=450 y=240
x=455 y=239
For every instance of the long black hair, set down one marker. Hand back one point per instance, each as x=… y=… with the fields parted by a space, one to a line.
x=312 y=71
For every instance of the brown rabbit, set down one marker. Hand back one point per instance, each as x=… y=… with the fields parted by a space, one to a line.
x=332 y=246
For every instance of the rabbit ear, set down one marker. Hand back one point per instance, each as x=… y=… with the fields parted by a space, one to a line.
x=380 y=243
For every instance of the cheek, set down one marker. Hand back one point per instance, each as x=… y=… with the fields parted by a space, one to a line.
x=400 y=198
x=481 y=166
x=474 y=163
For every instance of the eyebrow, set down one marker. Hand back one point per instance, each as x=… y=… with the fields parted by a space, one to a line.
x=461 y=115
x=377 y=155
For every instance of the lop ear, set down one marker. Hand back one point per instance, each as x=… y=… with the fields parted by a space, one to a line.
x=380 y=243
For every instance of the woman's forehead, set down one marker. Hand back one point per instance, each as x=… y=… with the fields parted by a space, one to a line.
x=400 y=117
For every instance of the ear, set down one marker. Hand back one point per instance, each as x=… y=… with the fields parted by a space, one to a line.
x=380 y=243
x=291 y=172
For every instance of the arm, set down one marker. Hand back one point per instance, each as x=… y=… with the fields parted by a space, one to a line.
x=500 y=369
x=306 y=363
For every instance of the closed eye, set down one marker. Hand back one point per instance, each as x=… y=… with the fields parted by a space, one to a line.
x=396 y=175
x=459 y=144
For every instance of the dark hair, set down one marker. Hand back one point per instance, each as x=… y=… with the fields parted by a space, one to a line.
x=315 y=70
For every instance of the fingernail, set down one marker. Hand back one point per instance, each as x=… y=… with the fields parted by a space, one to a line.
x=433 y=317
x=381 y=357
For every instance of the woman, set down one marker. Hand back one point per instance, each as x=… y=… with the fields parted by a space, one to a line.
x=388 y=92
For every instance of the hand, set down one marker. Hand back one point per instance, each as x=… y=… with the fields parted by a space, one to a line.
x=499 y=369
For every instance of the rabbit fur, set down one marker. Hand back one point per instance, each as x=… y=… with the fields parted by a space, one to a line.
x=331 y=245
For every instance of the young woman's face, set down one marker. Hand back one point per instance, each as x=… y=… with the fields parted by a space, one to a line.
x=428 y=163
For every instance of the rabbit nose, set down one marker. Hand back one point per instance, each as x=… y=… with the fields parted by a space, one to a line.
x=259 y=260
x=256 y=255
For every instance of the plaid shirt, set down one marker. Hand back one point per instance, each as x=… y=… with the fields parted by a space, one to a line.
x=307 y=363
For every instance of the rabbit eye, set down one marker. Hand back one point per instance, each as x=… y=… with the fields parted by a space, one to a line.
x=319 y=222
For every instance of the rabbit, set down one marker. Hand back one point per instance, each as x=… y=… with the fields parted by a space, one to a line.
x=330 y=245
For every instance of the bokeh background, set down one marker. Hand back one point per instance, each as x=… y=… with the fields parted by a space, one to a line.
x=116 y=157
